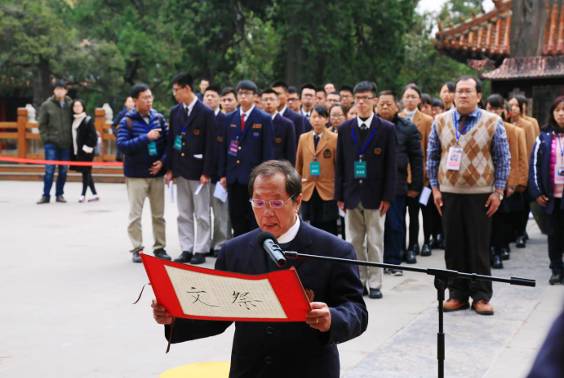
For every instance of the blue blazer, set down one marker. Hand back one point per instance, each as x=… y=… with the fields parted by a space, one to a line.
x=284 y=139
x=218 y=145
x=381 y=166
x=196 y=156
x=290 y=349
x=252 y=146
x=298 y=120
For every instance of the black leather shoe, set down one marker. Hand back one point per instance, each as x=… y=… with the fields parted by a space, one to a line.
x=161 y=254
x=42 y=200
x=415 y=249
x=504 y=253
x=198 y=259
x=135 y=257
x=61 y=199
x=426 y=250
x=184 y=257
x=555 y=279
x=520 y=242
x=410 y=257
x=375 y=294
x=496 y=262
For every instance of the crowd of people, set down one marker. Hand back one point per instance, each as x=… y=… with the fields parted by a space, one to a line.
x=474 y=167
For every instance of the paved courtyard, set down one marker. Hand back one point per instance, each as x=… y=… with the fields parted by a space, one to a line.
x=67 y=287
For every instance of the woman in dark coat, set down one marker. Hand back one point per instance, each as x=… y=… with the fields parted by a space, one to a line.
x=84 y=140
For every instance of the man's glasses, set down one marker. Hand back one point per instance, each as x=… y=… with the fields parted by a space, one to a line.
x=273 y=204
x=363 y=98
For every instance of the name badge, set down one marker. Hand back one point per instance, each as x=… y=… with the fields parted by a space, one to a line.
x=152 y=147
x=359 y=169
x=314 y=168
x=178 y=143
x=454 y=158
x=559 y=174
x=233 y=147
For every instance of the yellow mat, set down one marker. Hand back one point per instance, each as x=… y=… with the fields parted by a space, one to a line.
x=199 y=370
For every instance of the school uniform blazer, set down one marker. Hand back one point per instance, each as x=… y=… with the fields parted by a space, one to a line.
x=218 y=145
x=197 y=131
x=298 y=120
x=326 y=155
x=518 y=173
x=380 y=156
x=272 y=350
x=254 y=145
x=284 y=139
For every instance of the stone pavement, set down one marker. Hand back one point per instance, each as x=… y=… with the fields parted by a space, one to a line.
x=68 y=283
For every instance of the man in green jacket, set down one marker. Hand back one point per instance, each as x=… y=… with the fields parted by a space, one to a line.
x=55 y=121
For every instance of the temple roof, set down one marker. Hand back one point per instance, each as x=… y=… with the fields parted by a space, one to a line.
x=531 y=67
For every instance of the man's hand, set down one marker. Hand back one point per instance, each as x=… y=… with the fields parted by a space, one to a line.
x=154 y=134
x=160 y=314
x=319 y=317
x=412 y=193
x=492 y=204
x=204 y=179
x=168 y=177
x=438 y=199
x=341 y=205
x=156 y=167
x=542 y=200
x=223 y=182
x=384 y=207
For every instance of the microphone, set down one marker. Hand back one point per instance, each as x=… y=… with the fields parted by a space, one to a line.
x=268 y=243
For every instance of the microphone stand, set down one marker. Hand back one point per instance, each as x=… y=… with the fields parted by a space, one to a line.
x=441 y=278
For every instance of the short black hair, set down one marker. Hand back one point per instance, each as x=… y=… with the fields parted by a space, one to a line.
x=281 y=84
x=321 y=110
x=346 y=88
x=451 y=86
x=292 y=89
x=137 y=89
x=413 y=87
x=271 y=167
x=496 y=101
x=213 y=88
x=269 y=91
x=247 y=85
x=225 y=91
x=470 y=77
x=59 y=84
x=437 y=102
x=307 y=86
x=365 y=86
x=387 y=92
x=184 y=80
x=426 y=99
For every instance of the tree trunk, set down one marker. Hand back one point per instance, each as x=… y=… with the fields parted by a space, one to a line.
x=41 y=82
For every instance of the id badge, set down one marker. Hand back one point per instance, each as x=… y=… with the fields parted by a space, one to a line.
x=178 y=143
x=233 y=147
x=359 y=169
x=559 y=174
x=454 y=158
x=314 y=168
x=152 y=146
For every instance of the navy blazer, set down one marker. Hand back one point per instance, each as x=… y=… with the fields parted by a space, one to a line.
x=381 y=166
x=196 y=157
x=254 y=145
x=284 y=139
x=289 y=349
x=298 y=120
x=218 y=145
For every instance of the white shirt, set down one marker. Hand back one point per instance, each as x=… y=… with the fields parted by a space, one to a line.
x=247 y=113
x=274 y=115
x=188 y=108
x=216 y=111
x=306 y=114
x=290 y=235
x=283 y=110
x=368 y=122
x=409 y=115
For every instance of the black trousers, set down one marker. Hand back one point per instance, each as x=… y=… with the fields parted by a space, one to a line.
x=556 y=238
x=432 y=223
x=467 y=231
x=240 y=210
x=321 y=214
x=521 y=219
x=413 y=228
x=87 y=182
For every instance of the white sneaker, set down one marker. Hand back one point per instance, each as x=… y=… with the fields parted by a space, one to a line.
x=81 y=199
x=94 y=199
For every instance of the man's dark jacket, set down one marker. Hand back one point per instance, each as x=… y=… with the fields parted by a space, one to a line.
x=55 y=122
x=408 y=152
x=290 y=349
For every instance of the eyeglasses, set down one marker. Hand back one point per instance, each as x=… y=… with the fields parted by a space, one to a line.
x=363 y=98
x=273 y=204
x=244 y=93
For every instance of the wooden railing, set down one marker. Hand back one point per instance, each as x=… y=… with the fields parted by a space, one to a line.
x=22 y=138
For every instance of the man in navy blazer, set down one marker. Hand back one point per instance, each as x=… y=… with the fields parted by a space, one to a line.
x=338 y=312
x=299 y=120
x=365 y=181
x=191 y=145
x=248 y=141
x=284 y=131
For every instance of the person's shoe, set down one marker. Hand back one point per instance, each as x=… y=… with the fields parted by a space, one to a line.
x=81 y=199
x=453 y=304
x=161 y=254
x=415 y=249
x=198 y=259
x=375 y=294
x=410 y=257
x=504 y=253
x=42 y=200
x=482 y=307
x=396 y=272
x=216 y=252
x=95 y=198
x=426 y=250
x=555 y=279
x=61 y=199
x=135 y=256
x=496 y=262
x=520 y=242
x=184 y=257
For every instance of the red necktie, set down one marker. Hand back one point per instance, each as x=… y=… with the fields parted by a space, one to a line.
x=243 y=122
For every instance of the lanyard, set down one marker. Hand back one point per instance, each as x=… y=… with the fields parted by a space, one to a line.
x=362 y=149
x=560 y=144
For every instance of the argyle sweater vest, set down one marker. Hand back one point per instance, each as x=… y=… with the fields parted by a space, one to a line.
x=476 y=174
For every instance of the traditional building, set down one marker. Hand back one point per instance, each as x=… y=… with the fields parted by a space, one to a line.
x=519 y=46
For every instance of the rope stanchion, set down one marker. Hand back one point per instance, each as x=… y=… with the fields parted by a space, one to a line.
x=61 y=162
